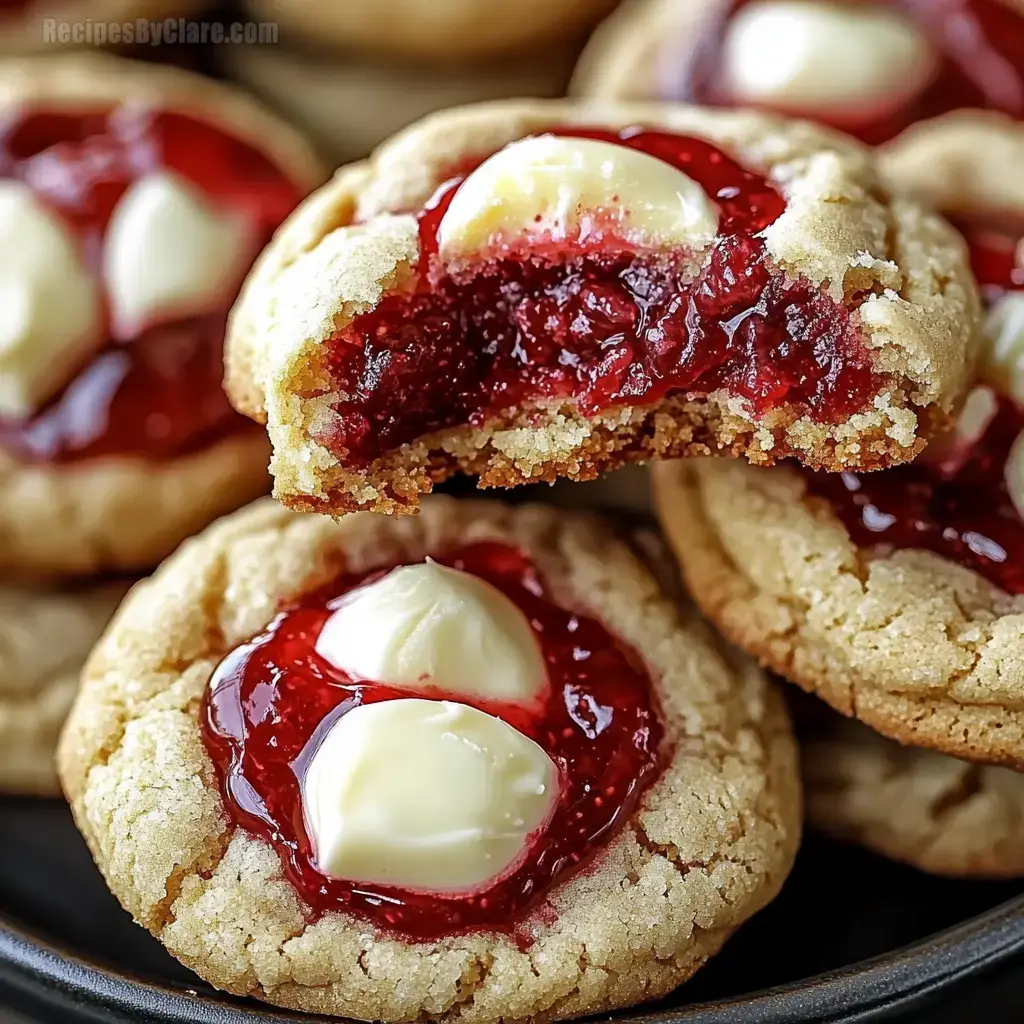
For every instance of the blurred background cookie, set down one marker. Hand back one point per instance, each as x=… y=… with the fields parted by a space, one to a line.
x=45 y=638
x=133 y=199
x=934 y=812
x=24 y=24
x=349 y=103
x=867 y=68
x=439 y=32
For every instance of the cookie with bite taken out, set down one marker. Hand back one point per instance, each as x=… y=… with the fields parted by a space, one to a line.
x=532 y=290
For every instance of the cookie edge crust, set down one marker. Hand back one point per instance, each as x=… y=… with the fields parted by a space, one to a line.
x=774 y=629
x=135 y=679
x=290 y=307
x=962 y=820
x=35 y=698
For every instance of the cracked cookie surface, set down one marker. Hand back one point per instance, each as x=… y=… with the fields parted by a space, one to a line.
x=925 y=651
x=711 y=842
x=900 y=271
x=45 y=638
x=934 y=812
x=123 y=513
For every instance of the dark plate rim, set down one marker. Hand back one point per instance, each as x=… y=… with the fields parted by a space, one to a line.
x=58 y=979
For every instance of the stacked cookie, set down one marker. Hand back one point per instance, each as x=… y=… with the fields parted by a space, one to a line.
x=485 y=762
x=890 y=596
x=133 y=201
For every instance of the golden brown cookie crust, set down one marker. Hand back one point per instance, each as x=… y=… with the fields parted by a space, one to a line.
x=923 y=650
x=350 y=243
x=45 y=638
x=434 y=31
x=936 y=813
x=126 y=514
x=712 y=842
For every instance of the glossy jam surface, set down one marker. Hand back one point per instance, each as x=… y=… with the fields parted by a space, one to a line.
x=159 y=394
x=599 y=327
x=958 y=507
x=981 y=43
x=272 y=699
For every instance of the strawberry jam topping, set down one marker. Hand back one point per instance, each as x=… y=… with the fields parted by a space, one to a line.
x=958 y=507
x=270 y=700
x=980 y=44
x=157 y=395
x=598 y=326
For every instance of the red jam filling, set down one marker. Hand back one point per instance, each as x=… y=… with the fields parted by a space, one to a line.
x=960 y=507
x=598 y=327
x=271 y=700
x=981 y=48
x=157 y=395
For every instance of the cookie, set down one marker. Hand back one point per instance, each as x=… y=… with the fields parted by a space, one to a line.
x=936 y=813
x=439 y=32
x=135 y=198
x=29 y=27
x=870 y=70
x=684 y=749
x=349 y=104
x=896 y=596
x=45 y=639
x=578 y=302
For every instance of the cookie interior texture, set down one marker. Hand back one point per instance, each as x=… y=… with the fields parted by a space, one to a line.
x=931 y=811
x=711 y=843
x=895 y=274
x=920 y=648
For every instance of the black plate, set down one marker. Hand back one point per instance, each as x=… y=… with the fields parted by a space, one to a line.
x=69 y=953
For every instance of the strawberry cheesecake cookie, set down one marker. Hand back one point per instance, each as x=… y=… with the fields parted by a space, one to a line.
x=898 y=596
x=870 y=69
x=937 y=813
x=133 y=200
x=45 y=638
x=440 y=32
x=533 y=290
x=472 y=765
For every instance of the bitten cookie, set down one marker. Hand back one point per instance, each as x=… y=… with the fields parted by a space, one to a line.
x=869 y=69
x=895 y=596
x=45 y=638
x=133 y=199
x=532 y=290
x=933 y=812
x=519 y=819
x=439 y=32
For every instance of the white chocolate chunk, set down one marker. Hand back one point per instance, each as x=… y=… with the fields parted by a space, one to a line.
x=569 y=190
x=429 y=625
x=1003 y=362
x=428 y=795
x=1013 y=473
x=170 y=253
x=855 y=60
x=51 y=304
